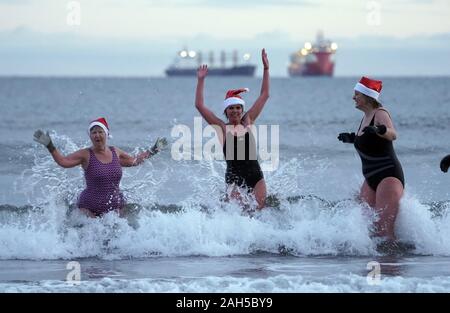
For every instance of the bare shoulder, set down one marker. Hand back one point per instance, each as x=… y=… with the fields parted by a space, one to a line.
x=84 y=156
x=382 y=117
x=383 y=110
x=79 y=157
x=382 y=114
x=117 y=150
x=83 y=153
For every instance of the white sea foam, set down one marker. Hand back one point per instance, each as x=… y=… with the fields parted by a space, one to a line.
x=201 y=224
x=181 y=216
x=281 y=283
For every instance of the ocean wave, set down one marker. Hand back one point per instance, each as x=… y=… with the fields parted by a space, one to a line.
x=299 y=226
x=342 y=283
x=199 y=223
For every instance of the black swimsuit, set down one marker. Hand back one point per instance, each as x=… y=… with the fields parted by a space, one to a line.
x=378 y=158
x=242 y=166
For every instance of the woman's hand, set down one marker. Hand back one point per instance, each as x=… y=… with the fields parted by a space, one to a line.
x=257 y=107
x=160 y=144
x=44 y=139
x=378 y=129
x=347 y=137
x=265 y=60
x=202 y=71
x=445 y=163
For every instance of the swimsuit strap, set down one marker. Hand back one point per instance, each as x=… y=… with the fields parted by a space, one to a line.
x=373 y=118
x=360 y=126
x=114 y=154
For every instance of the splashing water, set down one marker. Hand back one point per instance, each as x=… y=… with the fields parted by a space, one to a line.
x=50 y=227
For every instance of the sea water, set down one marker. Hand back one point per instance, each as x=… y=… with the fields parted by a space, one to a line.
x=178 y=236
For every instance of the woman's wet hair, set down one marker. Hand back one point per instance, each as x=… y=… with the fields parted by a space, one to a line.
x=374 y=103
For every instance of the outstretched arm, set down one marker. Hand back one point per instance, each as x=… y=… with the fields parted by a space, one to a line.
x=79 y=157
x=257 y=107
x=127 y=160
x=207 y=114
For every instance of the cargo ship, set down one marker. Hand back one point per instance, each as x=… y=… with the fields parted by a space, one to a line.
x=187 y=62
x=314 y=59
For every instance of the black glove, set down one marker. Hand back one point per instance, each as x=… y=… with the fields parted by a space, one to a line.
x=445 y=163
x=379 y=129
x=347 y=137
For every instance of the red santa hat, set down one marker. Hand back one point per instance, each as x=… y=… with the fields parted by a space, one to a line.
x=369 y=87
x=233 y=97
x=101 y=122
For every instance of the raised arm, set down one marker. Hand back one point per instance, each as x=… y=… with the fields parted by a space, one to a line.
x=257 y=107
x=80 y=157
x=207 y=114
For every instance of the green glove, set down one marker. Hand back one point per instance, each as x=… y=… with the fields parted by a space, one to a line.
x=44 y=139
x=160 y=144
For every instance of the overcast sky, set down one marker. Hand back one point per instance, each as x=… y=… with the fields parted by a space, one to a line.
x=141 y=37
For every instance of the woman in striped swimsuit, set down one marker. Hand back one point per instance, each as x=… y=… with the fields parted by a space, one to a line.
x=102 y=166
x=384 y=181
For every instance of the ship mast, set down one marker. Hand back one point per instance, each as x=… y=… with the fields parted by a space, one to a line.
x=199 y=58
x=235 y=58
x=223 y=59
x=211 y=58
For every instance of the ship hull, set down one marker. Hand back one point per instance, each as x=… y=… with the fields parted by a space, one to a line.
x=323 y=66
x=312 y=70
x=245 y=70
x=314 y=60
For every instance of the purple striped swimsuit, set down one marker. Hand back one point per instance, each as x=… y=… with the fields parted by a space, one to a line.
x=102 y=193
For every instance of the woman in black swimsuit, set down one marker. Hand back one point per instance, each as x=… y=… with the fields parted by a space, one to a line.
x=384 y=181
x=239 y=146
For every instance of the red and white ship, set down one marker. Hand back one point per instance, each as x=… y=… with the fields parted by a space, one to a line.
x=314 y=59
